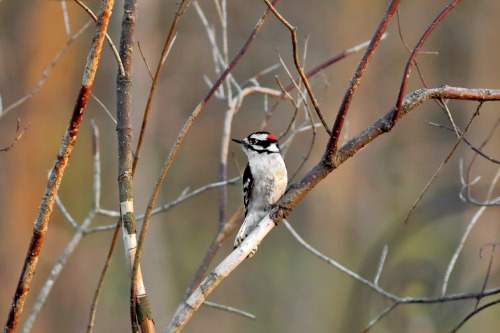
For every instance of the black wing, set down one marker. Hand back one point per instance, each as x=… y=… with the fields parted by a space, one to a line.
x=247 y=187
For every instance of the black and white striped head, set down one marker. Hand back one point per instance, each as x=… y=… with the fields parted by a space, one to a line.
x=259 y=142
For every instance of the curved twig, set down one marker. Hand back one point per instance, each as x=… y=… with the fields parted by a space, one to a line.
x=476 y=311
x=293 y=32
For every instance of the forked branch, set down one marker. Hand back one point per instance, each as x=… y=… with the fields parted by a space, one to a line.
x=297 y=191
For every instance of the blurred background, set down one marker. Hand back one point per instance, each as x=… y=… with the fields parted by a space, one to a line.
x=349 y=216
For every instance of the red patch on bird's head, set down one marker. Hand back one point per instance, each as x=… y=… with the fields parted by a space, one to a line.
x=272 y=137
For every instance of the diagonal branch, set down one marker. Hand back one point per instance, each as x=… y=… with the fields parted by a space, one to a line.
x=293 y=32
x=414 y=54
x=355 y=81
x=161 y=62
x=313 y=72
x=297 y=191
x=67 y=145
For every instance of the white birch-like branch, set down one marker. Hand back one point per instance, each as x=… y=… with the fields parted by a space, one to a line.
x=229 y=309
x=467 y=231
x=73 y=243
x=187 y=308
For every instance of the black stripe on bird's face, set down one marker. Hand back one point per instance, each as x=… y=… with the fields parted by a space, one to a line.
x=260 y=142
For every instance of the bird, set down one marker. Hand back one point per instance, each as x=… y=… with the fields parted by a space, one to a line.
x=264 y=180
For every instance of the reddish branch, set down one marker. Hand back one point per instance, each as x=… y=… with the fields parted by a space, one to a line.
x=355 y=81
x=56 y=174
x=379 y=127
x=166 y=46
x=309 y=74
x=411 y=60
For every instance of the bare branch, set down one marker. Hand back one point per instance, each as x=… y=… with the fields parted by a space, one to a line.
x=19 y=134
x=477 y=150
x=293 y=32
x=229 y=309
x=414 y=54
x=380 y=316
x=476 y=311
x=46 y=72
x=381 y=264
x=69 y=139
x=297 y=191
x=109 y=40
x=152 y=90
x=467 y=231
x=73 y=243
x=440 y=168
x=355 y=81
x=313 y=72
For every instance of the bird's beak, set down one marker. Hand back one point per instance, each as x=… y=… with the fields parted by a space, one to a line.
x=238 y=141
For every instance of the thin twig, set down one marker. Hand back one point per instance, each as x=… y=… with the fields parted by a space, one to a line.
x=467 y=231
x=440 y=168
x=97 y=292
x=229 y=309
x=46 y=72
x=108 y=39
x=166 y=46
x=73 y=243
x=421 y=76
x=19 y=134
x=476 y=311
x=181 y=198
x=313 y=72
x=488 y=271
x=477 y=150
x=104 y=107
x=66 y=214
x=459 y=248
x=381 y=262
x=411 y=60
x=144 y=60
x=295 y=106
x=293 y=32
x=380 y=316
